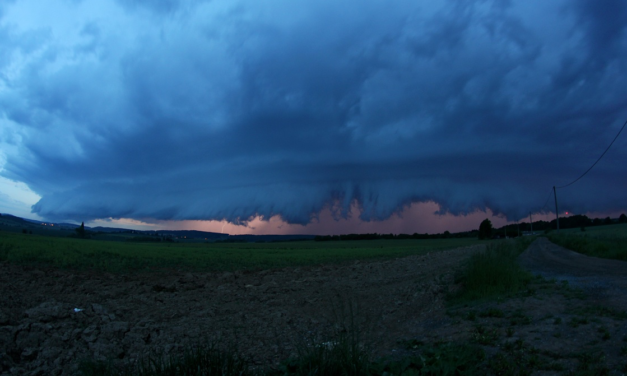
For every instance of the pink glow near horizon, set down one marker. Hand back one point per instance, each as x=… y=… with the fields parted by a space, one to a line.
x=417 y=217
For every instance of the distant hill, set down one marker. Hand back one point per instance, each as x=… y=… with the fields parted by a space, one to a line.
x=192 y=234
x=13 y=223
x=10 y=217
x=110 y=229
x=16 y=224
x=269 y=238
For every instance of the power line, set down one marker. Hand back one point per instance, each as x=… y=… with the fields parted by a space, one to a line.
x=594 y=164
x=588 y=170
x=557 y=216
x=547 y=199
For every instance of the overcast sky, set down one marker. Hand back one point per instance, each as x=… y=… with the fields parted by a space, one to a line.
x=311 y=113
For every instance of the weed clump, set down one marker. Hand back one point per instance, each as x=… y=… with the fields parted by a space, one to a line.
x=493 y=272
x=343 y=353
x=343 y=356
x=436 y=359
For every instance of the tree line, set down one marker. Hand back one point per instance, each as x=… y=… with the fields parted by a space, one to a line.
x=486 y=231
x=375 y=236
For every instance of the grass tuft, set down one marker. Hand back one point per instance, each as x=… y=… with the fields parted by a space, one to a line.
x=494 y=272
x=342 y=356
x=343 y=353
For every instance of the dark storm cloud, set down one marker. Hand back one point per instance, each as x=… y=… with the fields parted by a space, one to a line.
x=605 y=23
x=224 y=110
x=158 y=6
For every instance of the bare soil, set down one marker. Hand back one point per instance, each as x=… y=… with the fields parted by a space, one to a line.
x=400 y=304
x=266 y=314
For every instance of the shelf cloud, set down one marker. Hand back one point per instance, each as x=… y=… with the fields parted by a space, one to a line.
x=229 y=110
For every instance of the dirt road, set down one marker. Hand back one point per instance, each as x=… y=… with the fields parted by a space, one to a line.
x=605 y=280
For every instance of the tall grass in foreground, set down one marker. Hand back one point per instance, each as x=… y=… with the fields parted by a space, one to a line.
x=494 y=272
x=608 y=242
x=198 y=360
x=341 y=353
x=344 y=355
x=344 y=352
x=337 y=360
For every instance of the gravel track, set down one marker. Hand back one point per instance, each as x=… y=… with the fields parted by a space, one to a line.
x=605 y=280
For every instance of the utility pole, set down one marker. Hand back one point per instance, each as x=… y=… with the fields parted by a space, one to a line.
x=531 y=223
x=557 y=216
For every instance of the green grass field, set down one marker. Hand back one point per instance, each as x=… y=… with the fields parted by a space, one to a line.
x=121 y=256
x=600 y=241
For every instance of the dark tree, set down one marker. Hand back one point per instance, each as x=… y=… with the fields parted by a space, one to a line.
x=485 y=229
x=622 y=218
x=81 y=230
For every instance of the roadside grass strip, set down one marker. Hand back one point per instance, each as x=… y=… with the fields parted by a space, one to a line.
x=608 y=242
